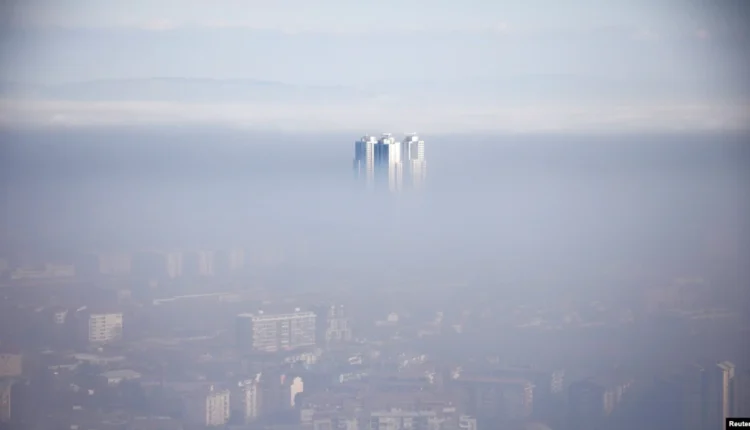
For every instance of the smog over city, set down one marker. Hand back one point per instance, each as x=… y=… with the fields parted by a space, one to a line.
x=374 y=216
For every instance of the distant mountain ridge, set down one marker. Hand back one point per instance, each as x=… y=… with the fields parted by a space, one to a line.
x=570 y=89
x=506 y=90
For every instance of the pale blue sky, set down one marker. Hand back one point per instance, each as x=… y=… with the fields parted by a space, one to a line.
x=64 y=40
x=686 y=54
x=343 y=15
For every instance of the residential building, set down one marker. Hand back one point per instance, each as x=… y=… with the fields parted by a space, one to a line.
x=494 y=397
x=251 y=401
x=270 y=332
x=246 y=399
x=11 y=363
x=236 y=259
x=382 y=162
x=364 y=160
x=173 y=262
x=699 y=397
x=100 y=327
x=46 y=271
x=708 y=392
x=413 y=153
x=333 y=324
x=399 y=419
x=296 y=386
x=726 y=380
x=389 y=163
x=209 y=407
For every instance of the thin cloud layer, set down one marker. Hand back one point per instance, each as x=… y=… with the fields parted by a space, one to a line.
x=474 y=65
x=354 y=117
x=343 y=15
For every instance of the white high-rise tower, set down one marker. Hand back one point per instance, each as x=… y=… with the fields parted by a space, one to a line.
x=381 y=162
x=364 y=160
x=413 y=152
x=389 y=163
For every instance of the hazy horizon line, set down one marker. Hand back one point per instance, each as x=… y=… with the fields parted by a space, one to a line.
x=356 y=133
x=358 y=115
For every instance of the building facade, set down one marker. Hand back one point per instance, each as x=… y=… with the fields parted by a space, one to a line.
x=364 y=161
x=210 y=408
x=250 y=404
x=236 y=259
x=267 y=332
x=102 y=327
x=47 y=271
x=333 y=325
x=413 y=153
x=725 y=378
x=173 y=264
x=389 y=164
x=11 y=364
x=397 y=419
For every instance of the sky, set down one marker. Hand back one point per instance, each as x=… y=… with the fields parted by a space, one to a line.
x=345 y=16
x=415 y=48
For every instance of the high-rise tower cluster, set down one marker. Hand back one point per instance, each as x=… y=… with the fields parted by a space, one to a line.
x=387 y=163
